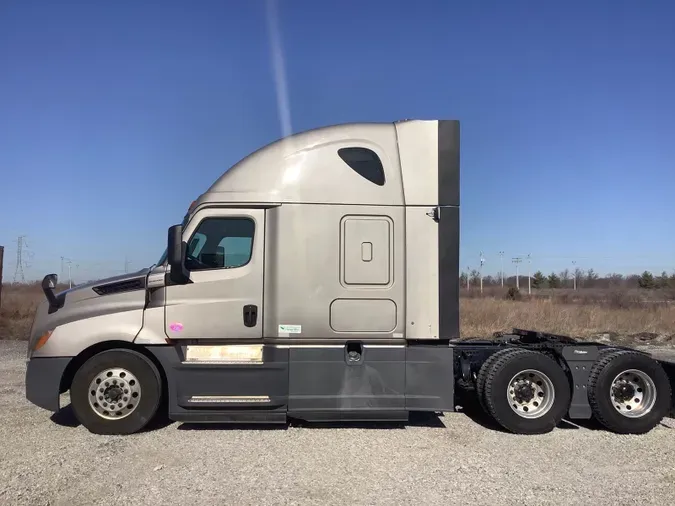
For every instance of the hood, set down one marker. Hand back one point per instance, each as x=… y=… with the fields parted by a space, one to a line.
x=115 y=294
x=107 y=286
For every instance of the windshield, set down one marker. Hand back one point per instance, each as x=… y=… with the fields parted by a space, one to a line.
x=162 y=259
x=165 y=254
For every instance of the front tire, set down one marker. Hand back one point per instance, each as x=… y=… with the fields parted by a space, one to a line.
x=629 y=392
x=527 y=392
x=116 y=392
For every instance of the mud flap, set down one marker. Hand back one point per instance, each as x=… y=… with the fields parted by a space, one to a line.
x=580 y=359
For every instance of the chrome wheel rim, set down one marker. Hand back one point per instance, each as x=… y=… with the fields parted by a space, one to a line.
x=114 y=393
x=530 y=393
x=633 y=393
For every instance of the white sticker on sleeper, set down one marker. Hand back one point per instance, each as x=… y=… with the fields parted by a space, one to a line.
x=290 y=329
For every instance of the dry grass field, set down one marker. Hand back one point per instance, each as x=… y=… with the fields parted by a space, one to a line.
x=483 y=316
x=622 y=313
x=17 y=308
x=628 y=314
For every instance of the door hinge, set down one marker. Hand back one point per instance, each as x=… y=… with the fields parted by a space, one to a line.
x=435 y=214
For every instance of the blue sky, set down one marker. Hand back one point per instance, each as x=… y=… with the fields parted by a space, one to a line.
x=116 y=115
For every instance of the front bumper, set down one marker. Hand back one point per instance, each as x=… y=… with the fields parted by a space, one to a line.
x=43 y=381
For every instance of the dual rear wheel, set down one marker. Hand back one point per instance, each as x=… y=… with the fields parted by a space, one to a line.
x=629 y=392
x=524 y=391
x=527 y=392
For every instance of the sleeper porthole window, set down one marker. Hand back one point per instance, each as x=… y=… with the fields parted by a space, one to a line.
x=364 y=162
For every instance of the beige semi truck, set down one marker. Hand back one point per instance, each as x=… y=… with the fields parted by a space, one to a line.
x=318 y=279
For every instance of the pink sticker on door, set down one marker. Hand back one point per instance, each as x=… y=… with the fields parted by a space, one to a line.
x=176 y=327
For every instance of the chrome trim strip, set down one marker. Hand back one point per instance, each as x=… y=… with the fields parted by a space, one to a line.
x=228 y=398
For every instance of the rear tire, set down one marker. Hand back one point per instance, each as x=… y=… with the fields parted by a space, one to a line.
x=623 y=372
x=527 y=392
x=116 y=392
x=483 y=374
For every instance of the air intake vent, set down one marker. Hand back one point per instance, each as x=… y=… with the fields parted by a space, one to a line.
x=128 y=285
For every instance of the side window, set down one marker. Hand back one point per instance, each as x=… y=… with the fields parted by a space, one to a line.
x=364 y=162
x=220 y=243
x=196 y=244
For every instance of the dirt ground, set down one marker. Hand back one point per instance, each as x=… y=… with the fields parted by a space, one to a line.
x=457 y=458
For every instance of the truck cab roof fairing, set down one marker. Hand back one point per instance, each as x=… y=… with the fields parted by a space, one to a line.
x=318 y=166
x=306 y=168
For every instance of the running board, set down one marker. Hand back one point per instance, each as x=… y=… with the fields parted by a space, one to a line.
x=233 y=417
x=228 y=383
x=227 y=401
x=216 y=399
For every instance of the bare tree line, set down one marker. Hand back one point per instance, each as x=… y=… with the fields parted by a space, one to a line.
x=567 y=278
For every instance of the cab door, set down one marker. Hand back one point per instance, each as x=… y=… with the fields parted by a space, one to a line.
x=225 y=263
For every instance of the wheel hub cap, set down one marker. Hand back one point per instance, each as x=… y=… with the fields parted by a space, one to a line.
x=524 y=392
x=530 y=394
x=633 y=393
x=624 y=391
x=114 y=393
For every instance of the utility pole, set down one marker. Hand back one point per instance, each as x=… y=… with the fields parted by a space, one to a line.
x=501 y=254
x=574 y=263
x=18 y=272
x=482 y=261
x=517 y=260
x=529 y=278
x=126 y=265
x=468 y=277
x=70 y=278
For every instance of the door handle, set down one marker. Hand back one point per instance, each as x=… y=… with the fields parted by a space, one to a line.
x=250 y=315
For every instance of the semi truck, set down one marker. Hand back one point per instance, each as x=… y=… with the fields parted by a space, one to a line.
x=317 y=279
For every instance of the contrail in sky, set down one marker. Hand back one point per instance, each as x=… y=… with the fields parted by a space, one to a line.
x=278 y=67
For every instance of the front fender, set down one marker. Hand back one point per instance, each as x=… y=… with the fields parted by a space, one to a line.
x=69 y=339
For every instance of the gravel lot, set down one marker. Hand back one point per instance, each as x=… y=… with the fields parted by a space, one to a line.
x=451 y=459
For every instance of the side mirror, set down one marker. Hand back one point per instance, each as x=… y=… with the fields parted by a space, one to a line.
x=48 y=284
x=176 y=249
